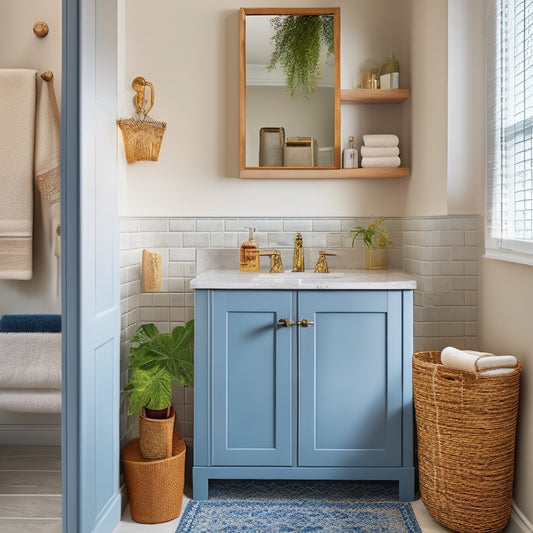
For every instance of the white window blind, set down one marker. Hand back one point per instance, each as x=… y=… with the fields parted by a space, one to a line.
x=510 y=129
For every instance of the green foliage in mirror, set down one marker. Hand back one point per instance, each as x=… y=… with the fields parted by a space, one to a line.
x=298 y=41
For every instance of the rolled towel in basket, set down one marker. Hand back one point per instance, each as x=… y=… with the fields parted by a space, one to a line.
x=484 y=363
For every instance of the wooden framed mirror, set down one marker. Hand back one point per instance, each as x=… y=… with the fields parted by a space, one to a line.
x=289 y=112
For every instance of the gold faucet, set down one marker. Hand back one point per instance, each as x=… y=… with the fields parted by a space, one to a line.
x=276 y=266
x=298 y=261
x=322 y=265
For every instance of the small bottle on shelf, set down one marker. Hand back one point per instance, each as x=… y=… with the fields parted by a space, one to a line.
x=349 y=158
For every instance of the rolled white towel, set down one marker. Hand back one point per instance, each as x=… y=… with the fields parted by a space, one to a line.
x=379 y=151
x=381 y=140
x=375 y=162
x=30 y=401
x=482 y=362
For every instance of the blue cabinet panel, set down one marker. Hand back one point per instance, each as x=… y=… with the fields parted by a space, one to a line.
x=349 y=401
x=252 y=371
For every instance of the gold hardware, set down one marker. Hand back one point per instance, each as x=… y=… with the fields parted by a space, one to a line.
x=276 y=265
x=298 y=260
x=305 y=323
x=286 y=322
x=139 y=85
x=40 y=29
x=322 y=265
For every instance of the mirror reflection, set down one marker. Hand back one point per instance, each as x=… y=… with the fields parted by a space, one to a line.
x=290 y=91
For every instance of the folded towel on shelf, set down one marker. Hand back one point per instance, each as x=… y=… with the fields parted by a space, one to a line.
x=374 y=162
x=30 y=401
x=381 y=140
x=17 y=134
x=30 y=323
x=379 y=151
x=30 y=360
x=484 y=363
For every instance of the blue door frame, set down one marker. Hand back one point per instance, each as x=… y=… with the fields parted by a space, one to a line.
x=90 y=270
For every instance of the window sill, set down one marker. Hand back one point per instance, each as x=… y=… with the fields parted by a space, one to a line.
x=509 y=256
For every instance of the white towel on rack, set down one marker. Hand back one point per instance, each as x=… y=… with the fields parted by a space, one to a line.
x=30 y=360
x=30 y=401
x=47 y=156
x=381 y=139
x=17 y=134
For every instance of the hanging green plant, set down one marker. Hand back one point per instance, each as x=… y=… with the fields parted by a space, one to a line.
x=297 y=43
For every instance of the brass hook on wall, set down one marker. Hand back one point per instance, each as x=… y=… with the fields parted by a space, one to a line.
x=139 y=85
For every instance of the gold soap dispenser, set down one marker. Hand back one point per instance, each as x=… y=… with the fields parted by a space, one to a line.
x=249 y=258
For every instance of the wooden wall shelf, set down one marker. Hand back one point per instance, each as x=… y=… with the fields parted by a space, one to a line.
x=374 y=96
x=360 y=173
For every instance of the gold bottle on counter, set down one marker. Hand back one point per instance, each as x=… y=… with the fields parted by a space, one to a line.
x=249 y=258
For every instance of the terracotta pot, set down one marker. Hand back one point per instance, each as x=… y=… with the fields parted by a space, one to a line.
x=376 y=259
x=155 y=435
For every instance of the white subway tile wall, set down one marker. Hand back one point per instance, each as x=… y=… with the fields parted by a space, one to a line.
x=441 y=253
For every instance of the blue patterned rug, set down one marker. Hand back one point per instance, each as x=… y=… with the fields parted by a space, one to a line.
x=304 y=506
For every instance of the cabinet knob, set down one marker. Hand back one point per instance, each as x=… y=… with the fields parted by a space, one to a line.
x=286 y=322
x=305 y=323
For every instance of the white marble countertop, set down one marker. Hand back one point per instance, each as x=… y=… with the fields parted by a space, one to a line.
x=359 y=279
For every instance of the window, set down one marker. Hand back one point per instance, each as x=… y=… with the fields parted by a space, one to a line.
x=510 y=130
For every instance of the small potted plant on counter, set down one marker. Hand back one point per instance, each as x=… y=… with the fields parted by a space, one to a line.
x=157 y=360
x=376 y=240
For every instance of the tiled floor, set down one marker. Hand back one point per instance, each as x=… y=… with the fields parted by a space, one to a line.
x=30 y=489
x=30 y=496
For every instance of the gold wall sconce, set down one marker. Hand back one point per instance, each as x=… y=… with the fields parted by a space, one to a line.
x=142 y=135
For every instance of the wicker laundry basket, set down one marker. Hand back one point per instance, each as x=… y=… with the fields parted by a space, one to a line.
x=466 y=428
x=155 y=488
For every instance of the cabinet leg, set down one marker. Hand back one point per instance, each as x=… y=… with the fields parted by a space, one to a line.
x=200 y=484
x=406 y=487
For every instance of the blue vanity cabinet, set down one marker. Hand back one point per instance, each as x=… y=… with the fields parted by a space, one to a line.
x=350 y=372
x=326 y=399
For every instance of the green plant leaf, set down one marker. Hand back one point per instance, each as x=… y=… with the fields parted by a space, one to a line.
x=156 y=361
x=297 y=45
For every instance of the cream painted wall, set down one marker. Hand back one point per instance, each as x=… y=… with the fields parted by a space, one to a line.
x=505 y=316
x=190 y=52
x=21 y=48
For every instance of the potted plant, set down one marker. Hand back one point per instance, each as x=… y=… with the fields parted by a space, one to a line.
x=376 y=240
x=157 y=360
x=298 y=43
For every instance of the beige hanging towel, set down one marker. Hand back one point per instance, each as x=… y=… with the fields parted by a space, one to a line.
x=17 y=133
x=47 y=156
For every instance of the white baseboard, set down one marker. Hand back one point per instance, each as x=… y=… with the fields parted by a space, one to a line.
x=518 y=522
x=30 y=434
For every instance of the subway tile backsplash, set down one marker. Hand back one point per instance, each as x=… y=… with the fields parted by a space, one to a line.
x=441 y=253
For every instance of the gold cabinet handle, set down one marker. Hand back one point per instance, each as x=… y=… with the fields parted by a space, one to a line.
x=286 y=322
x=305 y=323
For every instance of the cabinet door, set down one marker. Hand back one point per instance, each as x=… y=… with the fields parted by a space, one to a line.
x=252 y=378
x=350 y=400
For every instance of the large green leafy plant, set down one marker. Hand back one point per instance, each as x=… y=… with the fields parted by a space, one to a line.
x=157 y=360
x=297 y=42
